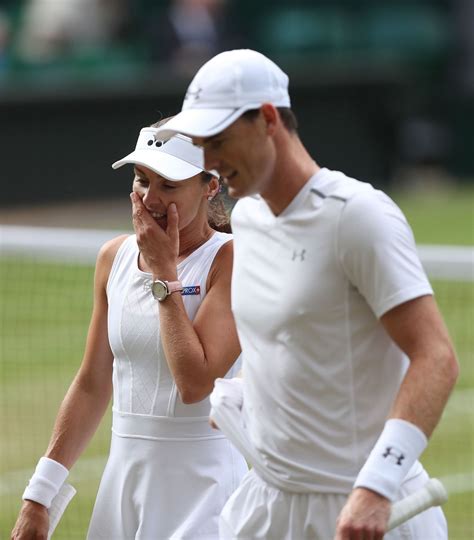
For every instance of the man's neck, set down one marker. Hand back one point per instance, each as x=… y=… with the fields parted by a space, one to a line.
x=293 y=170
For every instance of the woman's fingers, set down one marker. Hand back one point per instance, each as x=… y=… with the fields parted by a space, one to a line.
x=172 y=229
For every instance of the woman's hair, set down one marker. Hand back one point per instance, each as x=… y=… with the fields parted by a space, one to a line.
x=217 y=214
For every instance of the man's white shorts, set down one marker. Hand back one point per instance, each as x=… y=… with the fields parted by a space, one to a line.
x=257 y=510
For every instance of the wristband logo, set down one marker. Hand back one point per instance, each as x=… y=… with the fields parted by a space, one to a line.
x=396 y=454
x=191 y=290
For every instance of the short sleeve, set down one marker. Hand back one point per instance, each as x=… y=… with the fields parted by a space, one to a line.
x=377 y=251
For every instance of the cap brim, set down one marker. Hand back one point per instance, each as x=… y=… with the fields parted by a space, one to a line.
x=166 y=165
x=201 y=122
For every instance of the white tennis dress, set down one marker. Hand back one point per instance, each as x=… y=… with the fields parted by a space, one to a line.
x=169 y=473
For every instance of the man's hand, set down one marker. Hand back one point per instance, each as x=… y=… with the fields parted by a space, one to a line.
x=159 y=248
x=364 y=516
x=228 y=391
x=32 y=522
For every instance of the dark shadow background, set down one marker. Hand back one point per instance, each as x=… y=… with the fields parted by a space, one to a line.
x=383 y=90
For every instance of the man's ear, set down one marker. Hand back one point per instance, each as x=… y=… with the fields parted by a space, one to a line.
x=271 y=117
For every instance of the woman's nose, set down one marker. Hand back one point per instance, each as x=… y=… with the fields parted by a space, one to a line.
x=152 y=196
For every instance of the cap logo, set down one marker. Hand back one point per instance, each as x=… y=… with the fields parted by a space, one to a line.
x=193 y=93
x=152 y=142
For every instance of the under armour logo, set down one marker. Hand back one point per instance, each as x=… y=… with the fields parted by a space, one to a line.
x=299 y=255
x=391 y=451
x=193 y=94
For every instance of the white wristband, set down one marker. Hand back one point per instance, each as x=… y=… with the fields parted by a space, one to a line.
x=398 y=447
x=46 y=481
x=227 y=391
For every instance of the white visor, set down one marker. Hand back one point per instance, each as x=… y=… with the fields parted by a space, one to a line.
x=175 y=159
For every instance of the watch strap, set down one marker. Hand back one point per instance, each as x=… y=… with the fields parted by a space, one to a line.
x=174 y=286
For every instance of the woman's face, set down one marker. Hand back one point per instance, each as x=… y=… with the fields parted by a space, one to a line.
x=156 y=192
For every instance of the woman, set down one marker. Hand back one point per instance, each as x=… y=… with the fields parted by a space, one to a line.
x=161 y=332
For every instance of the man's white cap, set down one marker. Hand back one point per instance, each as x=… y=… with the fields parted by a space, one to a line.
x=175 y=159
x=223 y=89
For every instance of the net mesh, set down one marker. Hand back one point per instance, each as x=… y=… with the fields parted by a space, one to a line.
x=45 y=305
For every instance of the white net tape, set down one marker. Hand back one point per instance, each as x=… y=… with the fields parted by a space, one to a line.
x=81 y=246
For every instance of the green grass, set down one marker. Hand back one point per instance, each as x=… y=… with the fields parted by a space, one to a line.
x=440 y=217
x=451 y=448
x=44 y=315
x=42 y=348
x=447 y=217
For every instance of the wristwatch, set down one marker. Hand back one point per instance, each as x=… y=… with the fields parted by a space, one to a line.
x=162 y=289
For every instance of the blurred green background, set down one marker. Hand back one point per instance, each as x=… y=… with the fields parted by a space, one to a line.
x=384 y=91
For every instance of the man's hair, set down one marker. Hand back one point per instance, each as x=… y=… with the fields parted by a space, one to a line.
x=286 y=114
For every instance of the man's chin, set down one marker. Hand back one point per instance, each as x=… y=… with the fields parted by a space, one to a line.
x=232 y=192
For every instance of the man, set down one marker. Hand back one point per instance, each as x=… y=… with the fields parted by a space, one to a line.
x=347 y=362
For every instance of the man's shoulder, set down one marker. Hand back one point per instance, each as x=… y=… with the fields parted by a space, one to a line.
x=336 y=185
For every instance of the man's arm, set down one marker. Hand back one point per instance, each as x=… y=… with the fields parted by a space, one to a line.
x=418 y=329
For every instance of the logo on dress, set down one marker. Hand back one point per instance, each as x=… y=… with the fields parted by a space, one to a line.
x=397 y=455
x=191 y=290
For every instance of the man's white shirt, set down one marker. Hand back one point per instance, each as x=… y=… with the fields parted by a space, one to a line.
x=309 y=286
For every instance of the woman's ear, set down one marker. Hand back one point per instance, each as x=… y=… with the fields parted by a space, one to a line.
x=213 y=187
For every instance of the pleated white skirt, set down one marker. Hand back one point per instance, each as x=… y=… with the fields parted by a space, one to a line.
x=166 y=478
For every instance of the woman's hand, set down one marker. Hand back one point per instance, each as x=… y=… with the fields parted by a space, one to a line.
x=159 y=248
x=32 y=522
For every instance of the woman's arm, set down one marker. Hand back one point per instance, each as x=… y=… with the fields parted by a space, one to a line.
x=199 y=351
x=89 y=394
x=85 y=401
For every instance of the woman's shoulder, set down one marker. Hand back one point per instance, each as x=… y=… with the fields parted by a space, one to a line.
x=221 y=244
x=109 y=250
x=222 y=263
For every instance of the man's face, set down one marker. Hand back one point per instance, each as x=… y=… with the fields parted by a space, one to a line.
x=243 y=154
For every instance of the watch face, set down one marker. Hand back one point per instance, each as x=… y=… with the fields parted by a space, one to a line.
x=159 y=290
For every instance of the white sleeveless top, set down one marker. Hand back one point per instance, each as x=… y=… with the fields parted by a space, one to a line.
x=142 y=381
